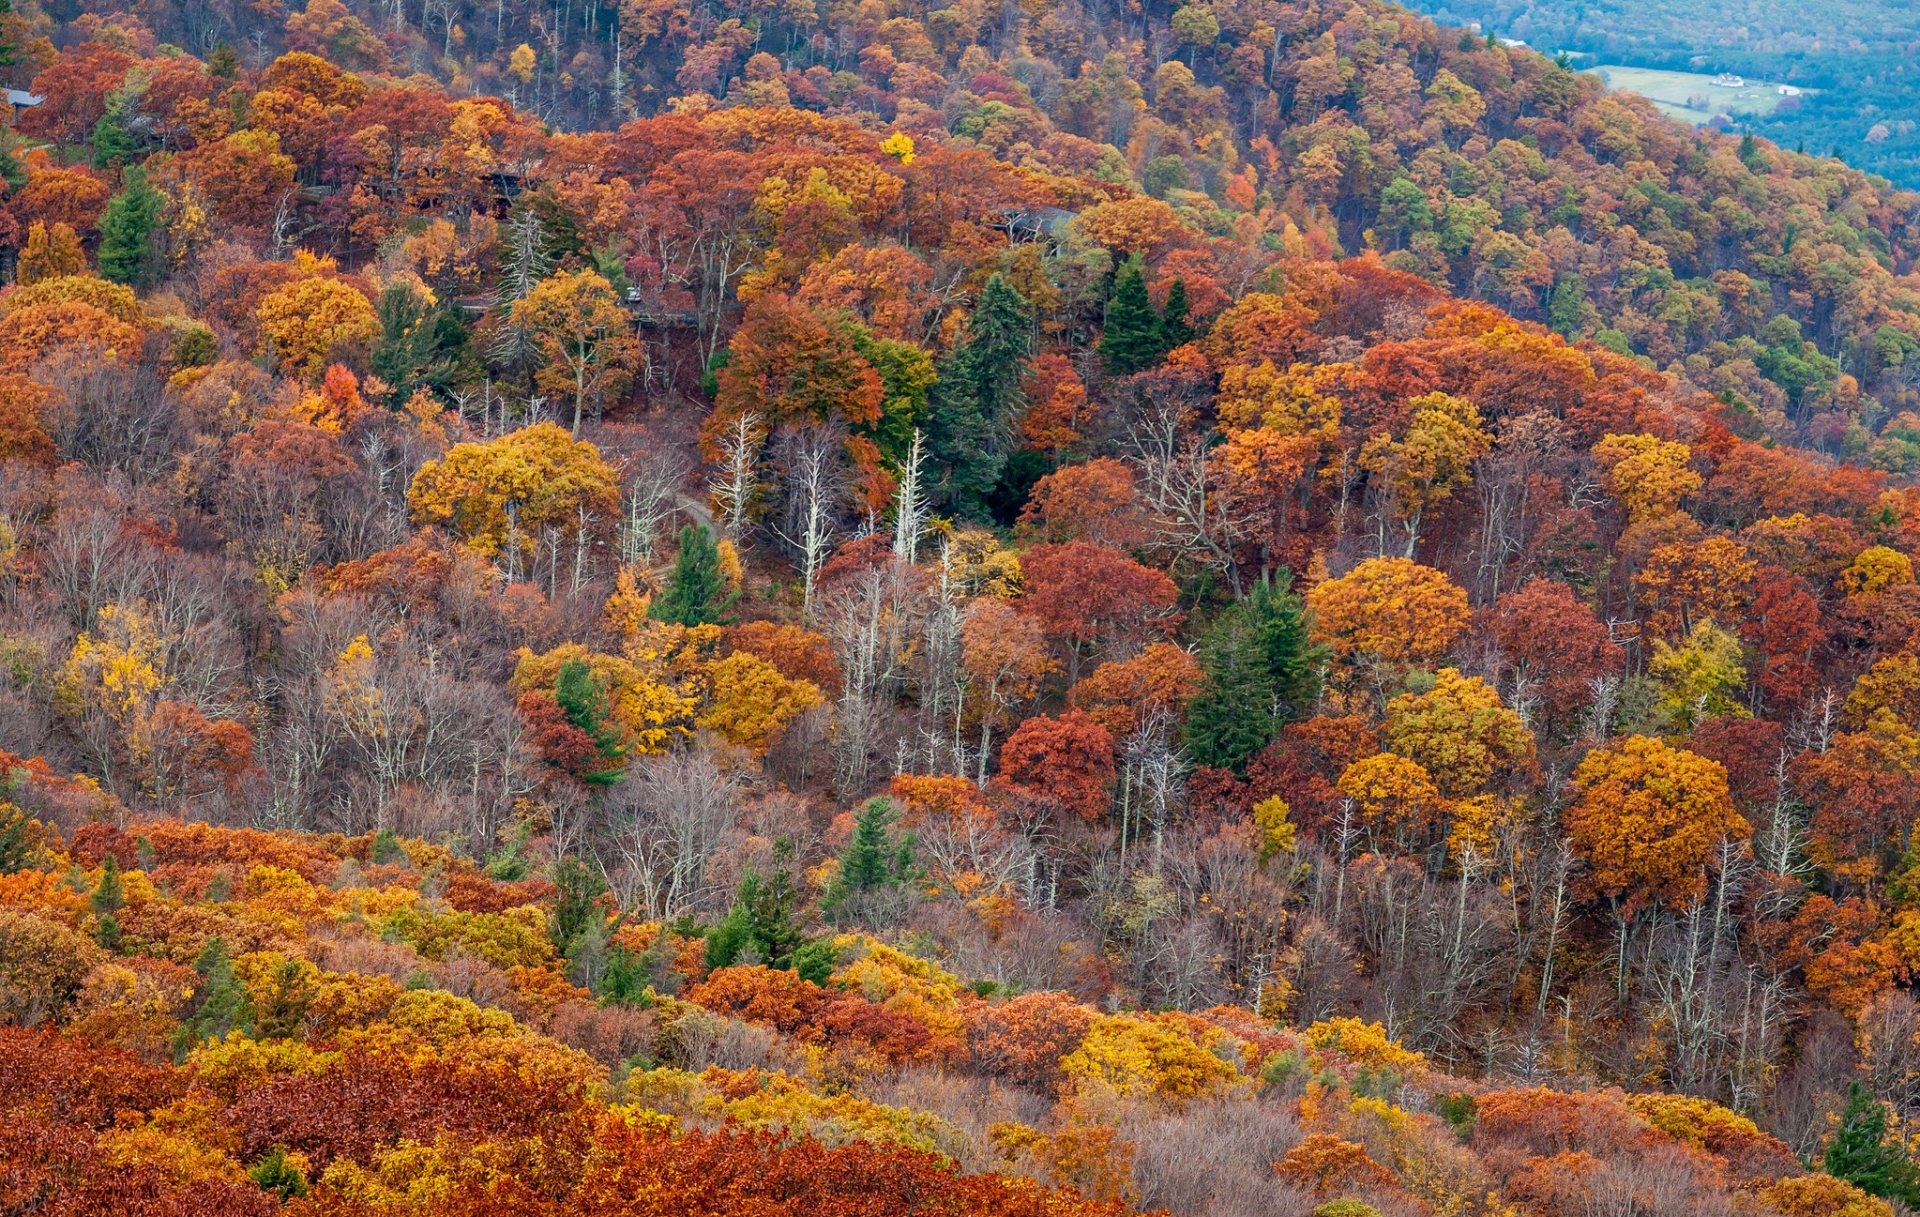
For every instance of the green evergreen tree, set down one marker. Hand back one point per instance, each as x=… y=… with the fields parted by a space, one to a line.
x=111 y=892
x=9 y=49
x=1132 y=340
x=1863 y=1154
x=114 y=141
x=387 y=850
x=1231 y=718
x=577 y=901
x=627 y=979
x=1294 y=660
x=129 y=232
x=697 y=594
x=20 y=839
x=275 y=1174
x=760 y=927
x=222 y=62
x=582 y=697
x=1175 y=328
x=979 y=395
x=221 y=1005
x=1259 y=670
x=874 y=861
x=420 y=344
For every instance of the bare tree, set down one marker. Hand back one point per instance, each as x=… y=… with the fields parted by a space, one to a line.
x=669 y=819
x=735 y=484
x=814 y=487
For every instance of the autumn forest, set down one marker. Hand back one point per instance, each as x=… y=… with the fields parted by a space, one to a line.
x=1033 y=610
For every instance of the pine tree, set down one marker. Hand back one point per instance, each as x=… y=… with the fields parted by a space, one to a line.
x=129 y=232
x=420 y=343
x=1294 y=660
x=697 y=593
x=978 y=397
x=1862 y=1154
x=875 y=860
x=111 y=892
x=114 y=143
x=221 y=1006
x=1231 y=717
x=1132 y=340
x=20 y=839
x=1260 y=671
x=582 y=697
x=577 y=901
x=760 y=927
x=1174 y=327
x=9 y=49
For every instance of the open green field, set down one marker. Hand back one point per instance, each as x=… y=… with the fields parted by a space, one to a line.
x=1692 y=97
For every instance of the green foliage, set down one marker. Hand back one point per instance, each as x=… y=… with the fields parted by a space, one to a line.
x=1175 y=329
x=1863 y=1154
x=697 y=592
x=760 y=927
x=1261 y=671
x=130 y=231
x=221 y=1005
x=277 y=1175
x=114 y=143
x=907 y=378
x=420 y=344
x=1346 y=1208
x=977 y=399
x=577 y=903
x=21 y=838
x=627 y=978
x=111 y=892
x=1133 y=340
x=387 y=850
x=875 y=859
x=815 y=961
x=582 y=697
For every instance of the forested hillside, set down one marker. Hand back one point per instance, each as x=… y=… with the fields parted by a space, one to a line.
x=818 y=616
x=1858 y=54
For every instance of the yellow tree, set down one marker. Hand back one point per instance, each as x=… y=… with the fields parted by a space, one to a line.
x=1461 y=732
x=499 y=496
x=1428 y=463
x=1390 y=609
x=304 y=323
x=579 y=325
x=1397 y=800
x=52 y=251
x=1649 y=475
x=1649 y=820
x=750 y=703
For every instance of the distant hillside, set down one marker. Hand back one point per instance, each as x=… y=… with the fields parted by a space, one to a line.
x=1859 y=54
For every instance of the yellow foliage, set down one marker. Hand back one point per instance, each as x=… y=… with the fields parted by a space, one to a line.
x=1148 y=1057
x=502 y=494
x=304 y=323
x=899 y=146
x=650 y=711
x=1650 y=475
x=239 y=1062
x=750 y=703
x=1277 y=833
x=1363 y=1043
x=1876 y=569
